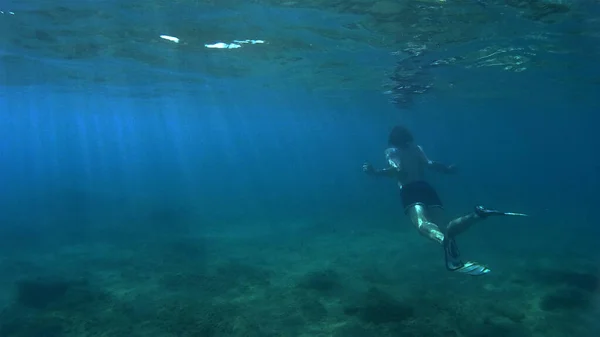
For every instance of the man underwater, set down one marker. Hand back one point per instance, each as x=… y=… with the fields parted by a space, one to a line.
x=407 y=164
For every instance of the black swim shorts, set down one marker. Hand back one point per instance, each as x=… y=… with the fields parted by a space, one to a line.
x=419 y=192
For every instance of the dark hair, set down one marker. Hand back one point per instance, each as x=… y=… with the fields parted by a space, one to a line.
x=400 y=137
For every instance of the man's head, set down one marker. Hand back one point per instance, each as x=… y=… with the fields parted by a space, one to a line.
x=400 y=137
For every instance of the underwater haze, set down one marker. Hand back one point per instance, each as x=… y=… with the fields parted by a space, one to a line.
x=193 y=168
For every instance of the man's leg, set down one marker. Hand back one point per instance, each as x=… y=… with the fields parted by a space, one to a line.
x=463 y=223
x=437 y=216
x=418 y=216
x=458 y=226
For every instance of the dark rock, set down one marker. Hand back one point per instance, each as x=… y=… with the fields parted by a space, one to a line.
x=580 y=280
x=41 y=293
x=565 y=299
x=324 y=281
x=498 y=327
x=19 y=322
x=380 y=308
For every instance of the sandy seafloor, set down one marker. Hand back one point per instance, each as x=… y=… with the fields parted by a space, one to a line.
x=327 y=277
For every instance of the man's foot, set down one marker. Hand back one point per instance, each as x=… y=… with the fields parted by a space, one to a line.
x=483 y=212
x=454 y=262
x=452 y=254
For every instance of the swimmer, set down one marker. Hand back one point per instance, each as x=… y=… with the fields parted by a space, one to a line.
x=407 y=164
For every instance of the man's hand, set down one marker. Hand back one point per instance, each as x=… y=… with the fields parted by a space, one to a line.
x=442 y=168
x=451 y=169
x=368 y=168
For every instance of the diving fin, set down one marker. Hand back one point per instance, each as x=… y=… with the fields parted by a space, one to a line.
x=454 y=263
x=473 y=269
x=483 y=212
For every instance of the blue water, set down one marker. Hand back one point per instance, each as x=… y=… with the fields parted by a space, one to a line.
x=203 y=205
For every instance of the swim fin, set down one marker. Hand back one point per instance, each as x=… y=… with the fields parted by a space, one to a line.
x=454 y=263
x=483 y=212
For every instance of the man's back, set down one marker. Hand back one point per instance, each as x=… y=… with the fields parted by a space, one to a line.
x=413 y=164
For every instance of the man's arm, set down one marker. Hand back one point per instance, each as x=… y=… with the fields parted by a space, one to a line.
x=385 y=172
x=434 y=165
